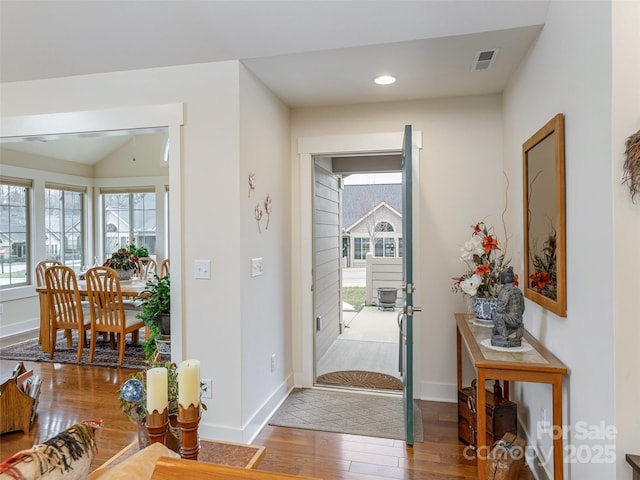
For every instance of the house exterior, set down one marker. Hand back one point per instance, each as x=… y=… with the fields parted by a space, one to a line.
x=584 y=64
x=372 y=215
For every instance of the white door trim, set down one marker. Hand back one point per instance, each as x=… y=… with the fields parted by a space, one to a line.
x=302 y=233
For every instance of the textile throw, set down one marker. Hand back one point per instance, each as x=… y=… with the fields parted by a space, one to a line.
x=31 y=351
x=66 y=456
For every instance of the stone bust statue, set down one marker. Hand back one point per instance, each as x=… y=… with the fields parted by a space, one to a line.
x=508 y=327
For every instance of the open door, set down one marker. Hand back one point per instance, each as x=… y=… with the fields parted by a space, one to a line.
x=406 y=316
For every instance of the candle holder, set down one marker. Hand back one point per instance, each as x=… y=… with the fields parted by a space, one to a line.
x=157 y=424
x=188 y=420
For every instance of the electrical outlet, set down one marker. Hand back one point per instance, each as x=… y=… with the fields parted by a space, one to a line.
x=273 y=362
x=202 y=269
x=256 y=267
x=206 y=388
x=544 y=424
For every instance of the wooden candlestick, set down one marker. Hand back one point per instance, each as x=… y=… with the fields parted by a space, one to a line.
x=189 y=419
x=157 y=424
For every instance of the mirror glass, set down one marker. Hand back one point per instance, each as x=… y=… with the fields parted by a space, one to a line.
x=544 y=217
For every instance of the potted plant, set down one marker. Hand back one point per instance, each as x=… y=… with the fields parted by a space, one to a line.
x=155 y=312
x=123 y=262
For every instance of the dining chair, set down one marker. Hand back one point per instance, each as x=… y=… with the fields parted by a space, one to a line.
x=164 y=268
x=40 y=283
x=66 y=310
x=147 y=265
x=108 y=314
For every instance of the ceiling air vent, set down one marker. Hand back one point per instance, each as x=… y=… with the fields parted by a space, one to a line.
x=484 y=59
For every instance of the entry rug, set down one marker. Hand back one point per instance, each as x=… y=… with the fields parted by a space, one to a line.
x=345 y=412
x=31 y=351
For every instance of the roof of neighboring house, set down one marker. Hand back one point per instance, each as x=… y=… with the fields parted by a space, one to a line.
x=358 y=200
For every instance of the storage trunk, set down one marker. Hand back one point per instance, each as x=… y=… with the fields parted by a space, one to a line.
x=501 y=416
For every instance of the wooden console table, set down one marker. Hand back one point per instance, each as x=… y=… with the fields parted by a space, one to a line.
x=538 y=365
x=211 y=451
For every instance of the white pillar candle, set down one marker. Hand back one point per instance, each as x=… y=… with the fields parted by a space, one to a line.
x=189 y=383
x=157 y=389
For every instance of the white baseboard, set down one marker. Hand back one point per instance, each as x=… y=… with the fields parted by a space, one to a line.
x=258 y=420
x=437 y=392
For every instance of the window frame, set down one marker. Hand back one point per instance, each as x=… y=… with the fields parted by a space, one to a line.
x=27 y=184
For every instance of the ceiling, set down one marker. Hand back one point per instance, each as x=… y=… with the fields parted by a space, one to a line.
x=309 y=53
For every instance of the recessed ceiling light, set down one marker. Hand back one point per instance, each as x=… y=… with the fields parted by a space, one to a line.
x=385 y=79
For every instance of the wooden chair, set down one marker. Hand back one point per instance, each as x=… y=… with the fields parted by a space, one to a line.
x=164 y=268
x=108 y=314
x=40 y=268
x=147 y=265
x=65 y=305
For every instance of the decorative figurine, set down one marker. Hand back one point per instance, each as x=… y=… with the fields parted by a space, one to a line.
x=508 y=327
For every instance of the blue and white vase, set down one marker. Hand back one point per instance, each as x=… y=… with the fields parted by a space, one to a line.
x=483 y=308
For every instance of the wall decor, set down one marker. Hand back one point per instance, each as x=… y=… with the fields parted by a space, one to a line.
x=252 y=183
x=267 y=208
x=258 y=215
x=632 y=165
x=544 y=217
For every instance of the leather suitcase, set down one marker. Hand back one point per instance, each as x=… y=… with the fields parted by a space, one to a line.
x=506 y=458
x=501 y=415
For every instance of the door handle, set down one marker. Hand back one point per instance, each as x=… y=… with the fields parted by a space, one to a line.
x=411 y=310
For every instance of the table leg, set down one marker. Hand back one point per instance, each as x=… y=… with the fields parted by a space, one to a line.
x=459 y=357
x=45 y=327
x=482 y=451
x=558 y=453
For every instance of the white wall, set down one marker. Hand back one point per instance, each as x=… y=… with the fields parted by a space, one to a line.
x=626 y=230
x=568 y=70
x=460 y=183
x=211 y=204
x=264 y=151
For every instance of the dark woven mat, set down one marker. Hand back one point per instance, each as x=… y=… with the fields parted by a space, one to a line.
x=361 y=378
x=31 y=351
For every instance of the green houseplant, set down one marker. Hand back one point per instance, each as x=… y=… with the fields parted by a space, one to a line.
x=155 y=311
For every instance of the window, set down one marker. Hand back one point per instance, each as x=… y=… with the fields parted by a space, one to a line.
x=14 y=232
x=384 y=227
x=361 y=246
x=385 y=247
x=64 y=224
x=129 y=217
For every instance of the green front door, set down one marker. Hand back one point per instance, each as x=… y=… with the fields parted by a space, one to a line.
x=406 y=325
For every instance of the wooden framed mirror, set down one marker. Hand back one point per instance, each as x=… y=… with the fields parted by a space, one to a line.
x=544 y=217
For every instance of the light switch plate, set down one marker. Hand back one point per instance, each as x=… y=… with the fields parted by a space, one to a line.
x=202 y=269
x=256 y=267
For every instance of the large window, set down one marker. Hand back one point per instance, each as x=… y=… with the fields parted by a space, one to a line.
x=361 y=246
x=14 y=232
x=129 y=217
x=64 y=224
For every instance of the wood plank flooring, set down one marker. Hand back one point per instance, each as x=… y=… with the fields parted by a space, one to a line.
x=73 y=393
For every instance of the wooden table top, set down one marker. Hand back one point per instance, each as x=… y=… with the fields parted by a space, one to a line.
x=537 y=359
x=211 y=451
x=129 y=288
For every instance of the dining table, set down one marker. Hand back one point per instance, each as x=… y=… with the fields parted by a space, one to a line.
x=129 y=288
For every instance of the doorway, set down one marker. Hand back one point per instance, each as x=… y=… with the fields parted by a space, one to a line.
x=309 y=149
x=359 y=347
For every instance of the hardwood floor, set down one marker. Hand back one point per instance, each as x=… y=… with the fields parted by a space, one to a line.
x=73 y=393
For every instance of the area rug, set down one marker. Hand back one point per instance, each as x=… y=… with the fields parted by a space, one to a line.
x=31 y=351
x=361 y=378
x=346 y=412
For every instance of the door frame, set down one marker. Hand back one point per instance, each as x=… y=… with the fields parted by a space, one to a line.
x=302 y=235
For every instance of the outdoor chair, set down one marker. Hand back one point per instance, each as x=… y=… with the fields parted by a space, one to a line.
x=108 y=314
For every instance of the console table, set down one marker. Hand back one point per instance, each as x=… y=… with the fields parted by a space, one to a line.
x=538 y=365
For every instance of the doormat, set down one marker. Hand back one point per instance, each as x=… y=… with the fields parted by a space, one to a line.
x=31 y=351
x=345 y=412
x=361 y=378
